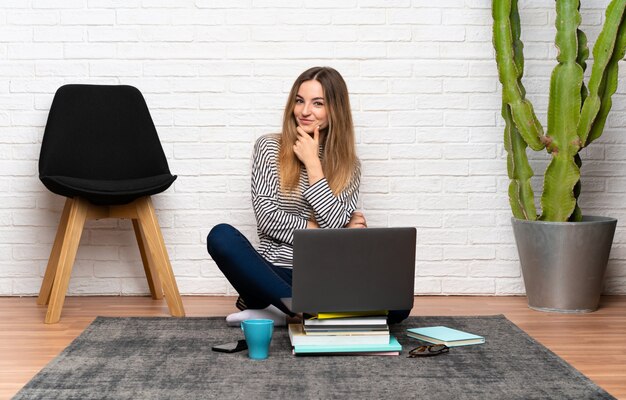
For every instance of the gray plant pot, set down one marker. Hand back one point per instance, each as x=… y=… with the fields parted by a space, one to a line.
x=563 y=263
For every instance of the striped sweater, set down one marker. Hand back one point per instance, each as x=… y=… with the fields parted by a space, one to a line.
x=279 y=214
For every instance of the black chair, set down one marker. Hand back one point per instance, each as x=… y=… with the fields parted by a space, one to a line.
x=100 y=149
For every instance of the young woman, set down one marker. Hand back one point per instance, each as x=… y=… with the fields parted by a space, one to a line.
x=305 y=177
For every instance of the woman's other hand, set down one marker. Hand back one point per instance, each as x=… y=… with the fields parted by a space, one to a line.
x=312 y=224
x=357 y=220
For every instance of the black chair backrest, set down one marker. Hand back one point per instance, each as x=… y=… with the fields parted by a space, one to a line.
x=100 y=132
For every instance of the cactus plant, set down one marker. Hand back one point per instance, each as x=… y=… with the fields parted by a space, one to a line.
x=576 y=113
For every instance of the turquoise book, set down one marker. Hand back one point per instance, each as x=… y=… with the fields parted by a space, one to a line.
x=444 y=335
x=392 y=346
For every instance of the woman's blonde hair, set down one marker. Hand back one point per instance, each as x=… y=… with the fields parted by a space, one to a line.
x=339 y=160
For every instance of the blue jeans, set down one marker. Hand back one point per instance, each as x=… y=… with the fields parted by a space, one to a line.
x=257 y=281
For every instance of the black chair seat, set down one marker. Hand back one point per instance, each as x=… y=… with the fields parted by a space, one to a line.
x=108 y=192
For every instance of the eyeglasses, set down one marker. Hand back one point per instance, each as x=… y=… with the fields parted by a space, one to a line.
x=428 y=351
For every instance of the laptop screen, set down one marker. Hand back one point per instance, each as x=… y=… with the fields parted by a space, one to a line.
x=353 y=269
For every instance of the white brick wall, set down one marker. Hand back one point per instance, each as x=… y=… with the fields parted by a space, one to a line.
x=215 y=74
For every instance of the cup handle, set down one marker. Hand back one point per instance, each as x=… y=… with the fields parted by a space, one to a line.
x=241 y=325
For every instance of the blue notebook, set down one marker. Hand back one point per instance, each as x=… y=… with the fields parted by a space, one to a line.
x=444 y=335
x=392 y=346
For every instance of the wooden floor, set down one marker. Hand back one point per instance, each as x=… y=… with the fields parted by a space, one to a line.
x=593 y=343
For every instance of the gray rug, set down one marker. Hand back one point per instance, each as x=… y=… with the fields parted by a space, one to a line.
x=170 y=358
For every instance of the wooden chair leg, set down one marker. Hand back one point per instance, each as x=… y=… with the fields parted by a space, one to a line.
x=67 y=254
x=148 y=264
x=55 y=253
x=156 y=246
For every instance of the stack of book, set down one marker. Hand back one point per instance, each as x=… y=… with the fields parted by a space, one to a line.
x=343 y=333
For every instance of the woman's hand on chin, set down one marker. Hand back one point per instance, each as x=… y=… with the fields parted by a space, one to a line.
x=306 y=149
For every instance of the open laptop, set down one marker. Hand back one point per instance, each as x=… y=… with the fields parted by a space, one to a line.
x=353 y=270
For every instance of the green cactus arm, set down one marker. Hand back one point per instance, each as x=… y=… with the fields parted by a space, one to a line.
x=558 y=201
x=521 y=196
x=518 y=45
x=509 y=75
x=609 y=85
x=583 y=55
x=567 y=78
x=602 y=54
x=597 y=127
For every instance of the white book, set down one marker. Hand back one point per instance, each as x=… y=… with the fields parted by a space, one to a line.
x=299 y=338
x=373 y=320
x=345 y=332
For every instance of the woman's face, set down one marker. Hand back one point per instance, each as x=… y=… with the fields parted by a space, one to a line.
x=310 y=107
